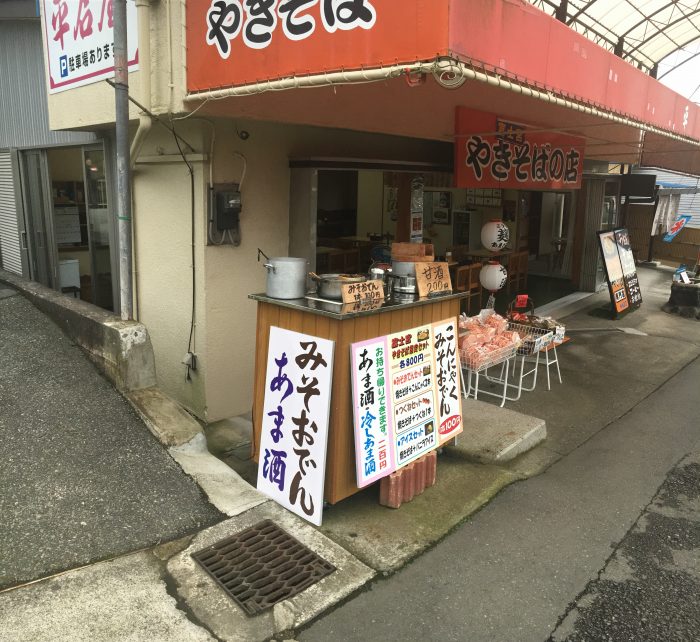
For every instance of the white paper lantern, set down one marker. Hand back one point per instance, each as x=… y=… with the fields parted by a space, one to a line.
x=495 y=235
x=493 y=276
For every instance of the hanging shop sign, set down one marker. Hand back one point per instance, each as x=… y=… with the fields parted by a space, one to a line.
x=292 y=464
x=494 y=153
x=621 y=271
x=80 y=42
x=406 y=396
x=236 y=42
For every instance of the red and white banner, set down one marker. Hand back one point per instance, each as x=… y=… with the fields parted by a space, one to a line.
x=236 y=42
x=491 y=153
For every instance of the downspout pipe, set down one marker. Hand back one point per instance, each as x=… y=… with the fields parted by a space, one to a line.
x=144 y=35
x=121 y=104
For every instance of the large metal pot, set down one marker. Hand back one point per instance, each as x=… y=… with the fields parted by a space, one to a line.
x=286 y=277
x=403 y=268
x=403 y=284
x=329 y=284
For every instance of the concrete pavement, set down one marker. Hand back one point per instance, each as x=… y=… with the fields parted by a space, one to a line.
x=512 y=570
x=82 y=478
x=624 y=415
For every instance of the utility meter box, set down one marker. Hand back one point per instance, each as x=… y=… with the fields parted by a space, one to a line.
x=227 y=206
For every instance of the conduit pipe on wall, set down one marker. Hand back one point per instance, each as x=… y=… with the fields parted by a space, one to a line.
x=144 y=36
x=449 y=73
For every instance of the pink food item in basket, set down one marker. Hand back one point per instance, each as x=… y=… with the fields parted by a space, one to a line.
x=469 y=323
x=512 y=337
x=497 y=322
x=502 y=341
x=472 y=339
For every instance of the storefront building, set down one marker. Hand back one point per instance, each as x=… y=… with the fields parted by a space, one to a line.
x=55 y=186
x=320 y=115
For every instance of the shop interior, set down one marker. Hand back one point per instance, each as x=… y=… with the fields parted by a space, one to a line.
x=358 y=219
x=81 y=223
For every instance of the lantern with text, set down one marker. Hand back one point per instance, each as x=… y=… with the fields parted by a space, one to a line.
x=493 y=276
x=495 y=235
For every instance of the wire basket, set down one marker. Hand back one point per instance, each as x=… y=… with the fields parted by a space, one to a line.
x=533 y=339
x=476 y=362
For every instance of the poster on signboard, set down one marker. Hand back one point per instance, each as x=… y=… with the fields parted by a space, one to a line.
x=629 y=268
x=411 y=371
x=80 y=42
x=294 y=437
x=613 y=269
x=373 y=442
x=621 y=270
x=447 y=382
x=406 y=397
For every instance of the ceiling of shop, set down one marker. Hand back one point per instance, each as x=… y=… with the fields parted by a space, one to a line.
x=643 y=32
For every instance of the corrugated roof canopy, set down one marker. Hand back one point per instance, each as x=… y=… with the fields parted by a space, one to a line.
x=643 y=32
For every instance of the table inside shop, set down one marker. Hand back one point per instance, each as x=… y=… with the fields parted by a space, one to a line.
x=344 y=326
x=480 y=255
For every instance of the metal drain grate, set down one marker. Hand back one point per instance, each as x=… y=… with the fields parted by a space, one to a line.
x=262 y=566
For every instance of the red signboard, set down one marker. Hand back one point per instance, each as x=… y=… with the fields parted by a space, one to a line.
x=491 y=152
x=236 y=42
x=242 y=42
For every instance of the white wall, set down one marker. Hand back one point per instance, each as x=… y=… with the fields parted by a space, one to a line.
x=163 y=265
x=226 y=318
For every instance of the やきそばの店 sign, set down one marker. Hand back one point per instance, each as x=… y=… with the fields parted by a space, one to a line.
x=294 y=437
x=406 y=397
x=493 y=153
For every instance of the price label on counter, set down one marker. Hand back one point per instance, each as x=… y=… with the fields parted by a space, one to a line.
x=433 y=278
x=365 y=292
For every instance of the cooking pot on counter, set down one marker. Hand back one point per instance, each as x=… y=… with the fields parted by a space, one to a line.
x=403 y=268
x=403 y=284
x=329 y=284
x=286 y=277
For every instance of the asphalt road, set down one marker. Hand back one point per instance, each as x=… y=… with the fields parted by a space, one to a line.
x=649 y=590
x=602 y=546
x=81 y=477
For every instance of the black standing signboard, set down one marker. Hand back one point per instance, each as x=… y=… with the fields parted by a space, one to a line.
x=629 y=269
x=621 y=271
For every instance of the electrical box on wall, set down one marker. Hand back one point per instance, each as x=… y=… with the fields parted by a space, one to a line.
x=228 y=207
x=225 y=207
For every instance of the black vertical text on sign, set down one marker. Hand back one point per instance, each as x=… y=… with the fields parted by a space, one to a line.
x=629 y=269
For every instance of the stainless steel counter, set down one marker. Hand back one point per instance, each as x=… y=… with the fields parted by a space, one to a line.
x=352 y=310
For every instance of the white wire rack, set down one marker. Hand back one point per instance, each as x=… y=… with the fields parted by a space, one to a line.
x=474 y=364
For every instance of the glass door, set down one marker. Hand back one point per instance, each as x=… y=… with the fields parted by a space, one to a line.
x=37 y=208
x=100 y=227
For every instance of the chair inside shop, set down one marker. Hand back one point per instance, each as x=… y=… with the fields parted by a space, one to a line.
x=467 y=280
x=517 y=271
